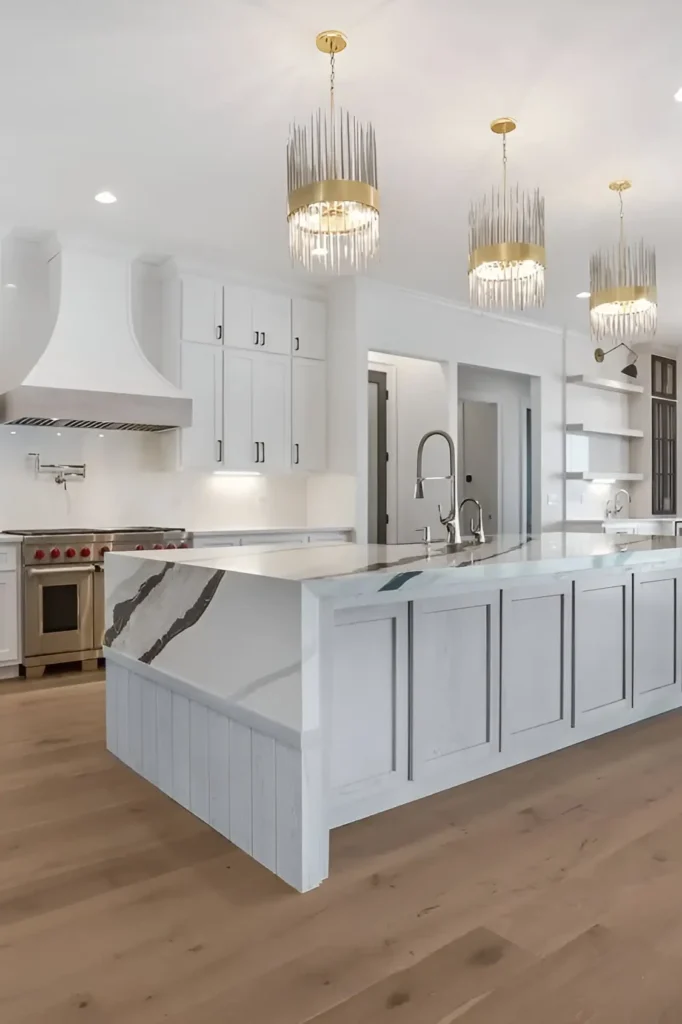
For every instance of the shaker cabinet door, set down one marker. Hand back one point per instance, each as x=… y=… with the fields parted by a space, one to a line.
x=272 y=411
x=201 y=378
x=201 y=310
x=309 y=328
x=309 y=415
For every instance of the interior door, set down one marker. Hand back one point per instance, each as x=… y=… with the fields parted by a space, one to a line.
x=376 y=457
x=240 y=451
x=309 y=414
x=272 y=410
x=201 y=376
x=479 y=474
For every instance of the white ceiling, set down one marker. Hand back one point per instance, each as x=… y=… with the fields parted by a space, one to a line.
x=182 y=108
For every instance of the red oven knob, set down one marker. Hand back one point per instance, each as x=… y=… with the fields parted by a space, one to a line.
x=70 y=552
x=39 y=555
x=183 y=545
x=170 y=545
x=103 y=550
x=85 y=552
x=139 y=547
x=158 y=547
x=55 y=553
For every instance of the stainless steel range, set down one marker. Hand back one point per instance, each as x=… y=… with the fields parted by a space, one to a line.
x=63 y=589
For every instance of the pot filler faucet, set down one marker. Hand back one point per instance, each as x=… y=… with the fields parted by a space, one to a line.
x=451 y=520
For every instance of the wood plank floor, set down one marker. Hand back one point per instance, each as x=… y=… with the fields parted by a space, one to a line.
x=548 y=893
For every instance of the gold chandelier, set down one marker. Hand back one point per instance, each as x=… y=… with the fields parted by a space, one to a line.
x=333 y=198
x=623 y=299
x=507 y=242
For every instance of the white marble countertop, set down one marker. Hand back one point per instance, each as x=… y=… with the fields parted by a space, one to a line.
x=10 y=538
x=347 y=570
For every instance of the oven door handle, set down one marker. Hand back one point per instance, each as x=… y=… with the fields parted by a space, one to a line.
x=62 y=568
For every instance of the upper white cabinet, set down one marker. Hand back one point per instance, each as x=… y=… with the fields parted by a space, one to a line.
x=309 y=328
x=249 y=393
x=271 y=322
x=201 y=373
x=271 y=411
x=309 y=414
x=201 y=310
x=257 y=412
x=237 y=317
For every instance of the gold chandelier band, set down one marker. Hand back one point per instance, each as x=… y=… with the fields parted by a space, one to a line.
x=507 y=252
x=631 y=293
x=334 y=190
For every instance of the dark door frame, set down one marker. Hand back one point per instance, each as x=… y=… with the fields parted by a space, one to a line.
x=379 y=378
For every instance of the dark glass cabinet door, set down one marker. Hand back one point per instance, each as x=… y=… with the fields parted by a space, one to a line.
x=663 y=457
x=663 y=377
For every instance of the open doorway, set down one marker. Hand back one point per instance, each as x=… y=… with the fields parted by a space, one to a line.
x=496 y=449
x=478 y=461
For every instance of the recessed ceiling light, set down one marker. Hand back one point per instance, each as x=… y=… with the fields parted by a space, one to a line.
x=10 y=285
x=583 y=295
x=12 y=431
x=105 y=197
x=59 y=433
x=678 y=95
x=101 y=435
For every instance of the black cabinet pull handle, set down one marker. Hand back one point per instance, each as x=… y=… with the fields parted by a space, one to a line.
x=219 y=332
x=262 y=338
x=256 y=339
x=219 y=457
x=257 y=451
x=262 y=451
x=296 y=454
x=297 y=344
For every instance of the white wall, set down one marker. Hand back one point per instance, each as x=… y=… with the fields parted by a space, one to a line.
x=131 y=482
x=420 y=403
x=511 y=393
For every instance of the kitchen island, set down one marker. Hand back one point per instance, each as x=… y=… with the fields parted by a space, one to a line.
x=279 y=692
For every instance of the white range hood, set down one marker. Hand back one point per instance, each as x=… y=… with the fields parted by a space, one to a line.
x=93 y=372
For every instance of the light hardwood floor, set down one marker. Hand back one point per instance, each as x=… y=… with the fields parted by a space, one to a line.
x=550 y=893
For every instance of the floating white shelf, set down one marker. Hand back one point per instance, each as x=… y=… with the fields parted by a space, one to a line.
x=595 y=477
x=603 y=384
x=584 y=428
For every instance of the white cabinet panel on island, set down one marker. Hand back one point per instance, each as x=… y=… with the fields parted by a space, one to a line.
x=603 y=651
x=657 y=640
x=309 y=328
x=536 y=667
x=455 y=681
x=368 y=704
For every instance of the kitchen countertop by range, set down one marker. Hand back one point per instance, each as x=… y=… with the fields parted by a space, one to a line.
x=10 y=538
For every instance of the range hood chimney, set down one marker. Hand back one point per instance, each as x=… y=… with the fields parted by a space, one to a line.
x=93 y=372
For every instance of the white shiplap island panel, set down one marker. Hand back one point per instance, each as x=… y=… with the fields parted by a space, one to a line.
x=277 y=693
